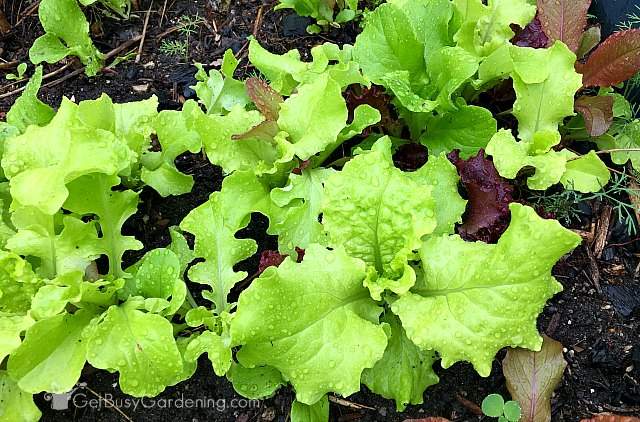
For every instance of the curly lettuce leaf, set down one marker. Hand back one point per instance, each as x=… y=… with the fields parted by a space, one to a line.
x=52 y=298
x=61 y=247
x=66 y=34
x=137 y=344
x=18 y=284
x=314 y=116
x=543 y=102
x=300 y=318
x=219 y=91
x=11 y=333
x=585 y=174
x=255 y=383
x=94 y=195
x=379 y=214
x=301 y=200
x=442 y=177
x=28 y=110
x=215 y=225
x=132 y=122
x=467 y=129
x=52 y=354
x=157 y=278
x=406 y=47
x=218 y=134
x=175 y=137
x=484 y=28
x=389 y=43
x=316 y=412
x=217 y=347
x=6 y=226
x=285 y=72
x=477 y=298
x=17 y=406
x=40 y=162
x=404 y=372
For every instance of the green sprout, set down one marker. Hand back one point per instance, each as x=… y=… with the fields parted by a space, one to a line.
x=494 y=406
x=22 y=68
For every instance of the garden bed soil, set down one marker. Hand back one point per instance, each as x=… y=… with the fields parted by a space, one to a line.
x=596 y=318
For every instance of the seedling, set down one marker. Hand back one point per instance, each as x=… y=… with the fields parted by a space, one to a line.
x=494 y=406
x=20 y=71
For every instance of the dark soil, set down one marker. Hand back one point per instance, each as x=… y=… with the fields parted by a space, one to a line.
x=597 y=317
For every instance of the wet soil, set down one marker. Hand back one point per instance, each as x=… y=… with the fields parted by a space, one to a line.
x=596 y=318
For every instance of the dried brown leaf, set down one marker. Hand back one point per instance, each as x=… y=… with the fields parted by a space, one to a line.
x=564 y=20
x=616 y=60
x=532 y=377
x=597 y=113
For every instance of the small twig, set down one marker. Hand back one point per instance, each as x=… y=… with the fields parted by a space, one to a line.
x=122 y=47
x=64 y=78
x=144 y=34
x=346 y=403
x=471 y=406
x=164 y=9
x=167 y=32
x=111 y=404
x=258 y=22
x=28 y=12
x=9 y=65
x=602 y=231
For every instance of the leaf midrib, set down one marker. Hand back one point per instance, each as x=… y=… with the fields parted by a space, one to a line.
x=343 y=303
x=426 y=292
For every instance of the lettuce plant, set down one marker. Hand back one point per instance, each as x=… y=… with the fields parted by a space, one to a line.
x=67 y=32
x=325 y=12
x=375 y=278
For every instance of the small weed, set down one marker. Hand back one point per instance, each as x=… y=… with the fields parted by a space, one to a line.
x=187 y=26
x=174 y=48
x=617 y=193
x=632 y=20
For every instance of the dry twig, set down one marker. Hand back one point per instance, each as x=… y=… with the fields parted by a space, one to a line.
x=144 y=34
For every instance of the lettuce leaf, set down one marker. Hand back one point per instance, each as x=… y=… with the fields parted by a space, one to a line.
x=52 y=354
x=300 y=319
x=17 y=405
x=404 y=372
x=301 y=200
x=137 y=344
x=379 y=214
x=477 y=298
x=66 y=34
x=215 y=224
x=40 y=162
x=176 y=136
